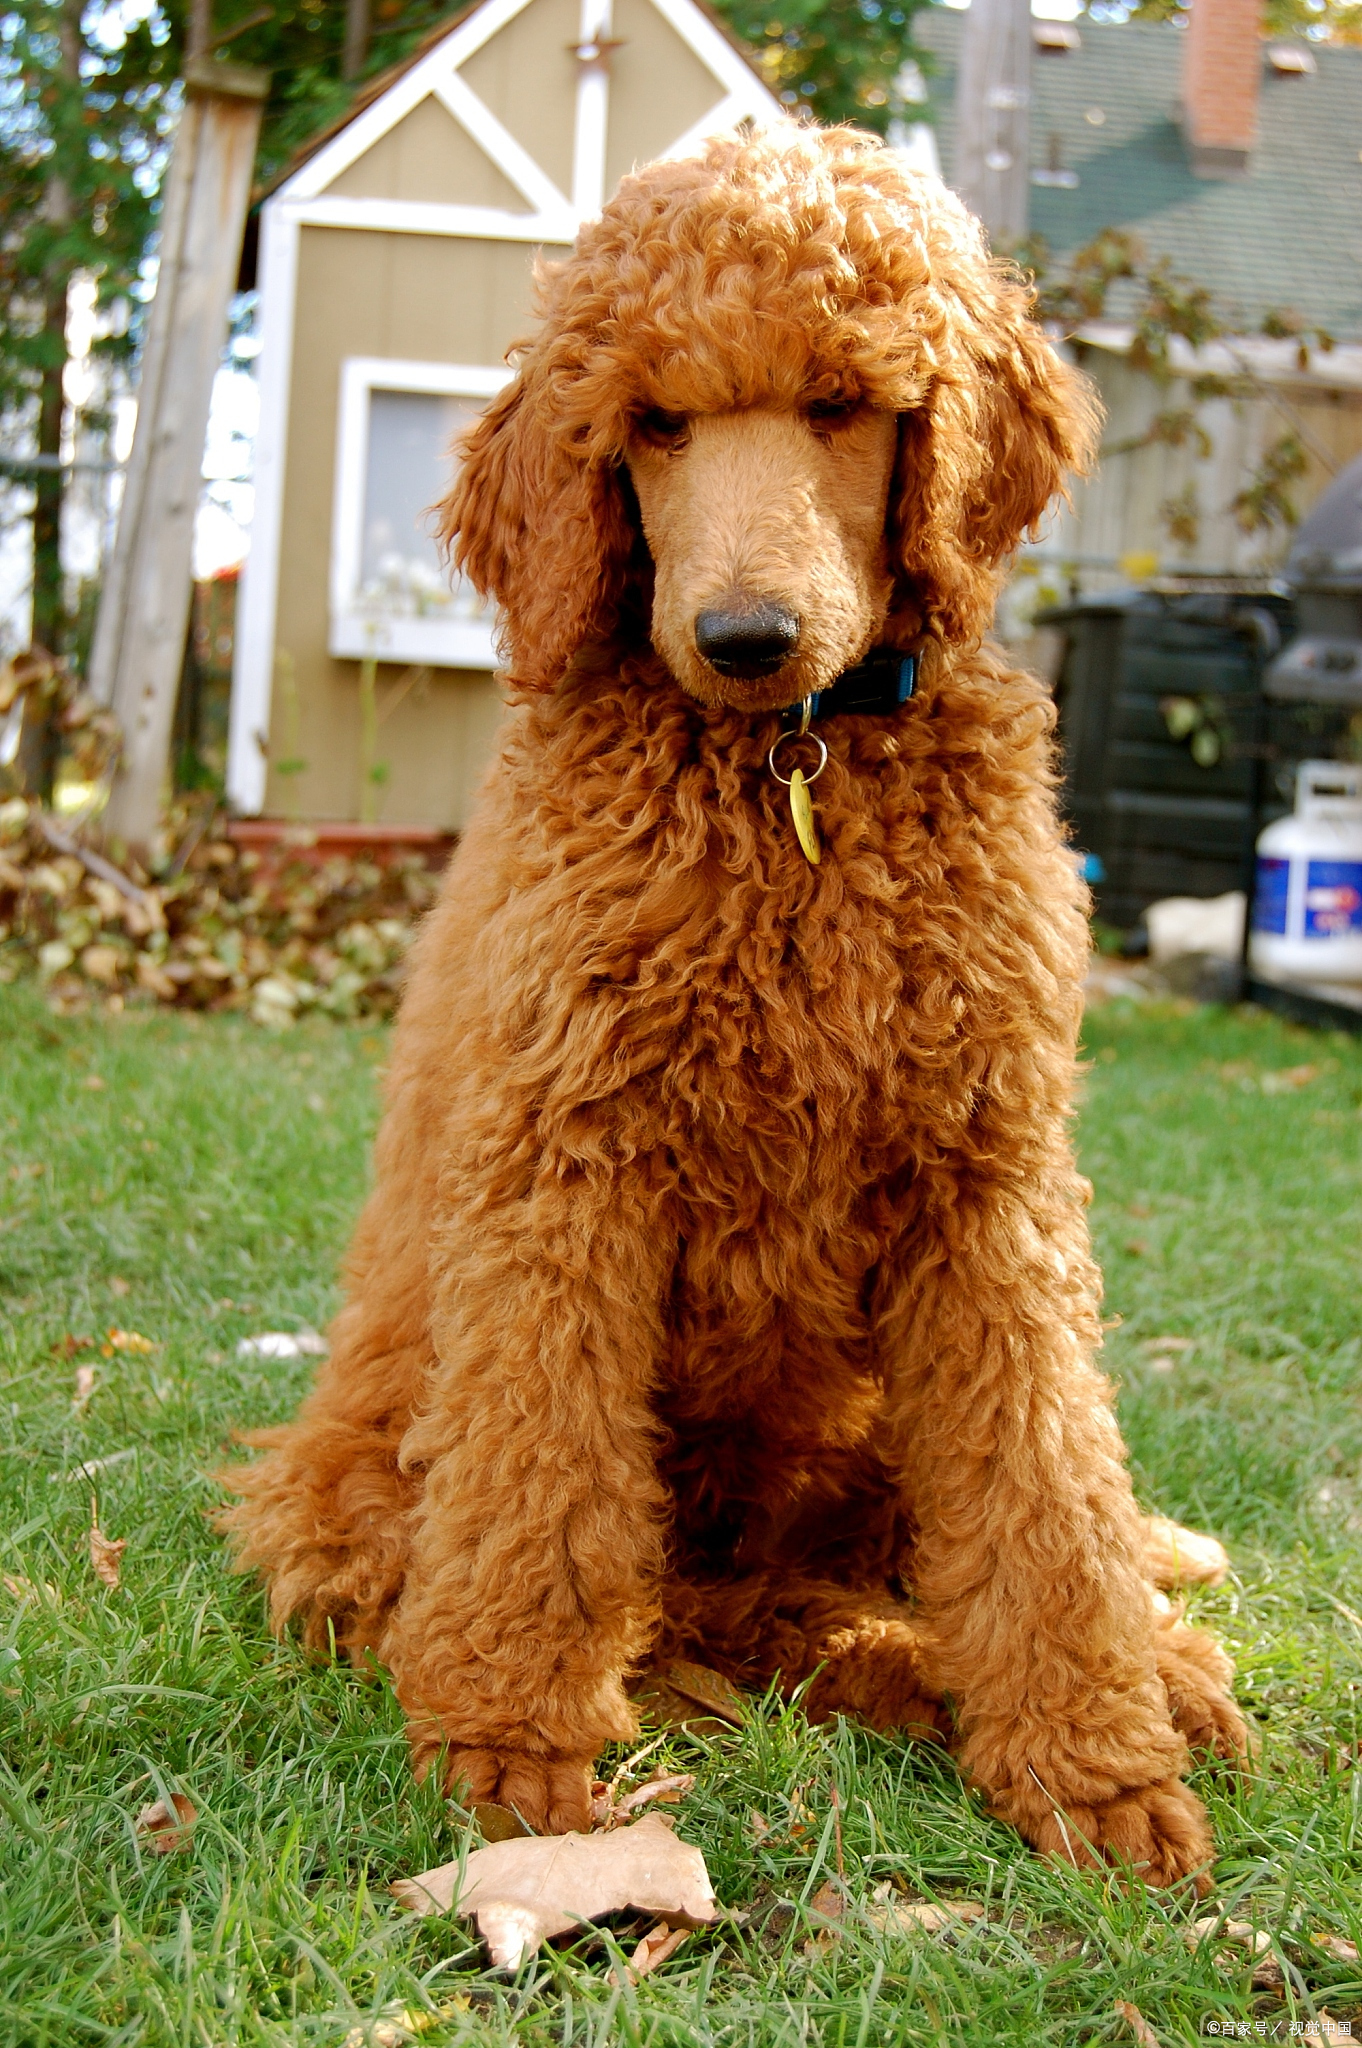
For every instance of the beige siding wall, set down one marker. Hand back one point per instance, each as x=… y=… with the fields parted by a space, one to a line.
x=658 y=89
x=429 y=299
x=1122 y=509
x=527 y=75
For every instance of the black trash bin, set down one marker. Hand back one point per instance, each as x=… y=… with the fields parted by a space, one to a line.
x=1163 y=727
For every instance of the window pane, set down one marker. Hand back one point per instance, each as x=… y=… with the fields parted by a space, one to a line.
x=407 y=469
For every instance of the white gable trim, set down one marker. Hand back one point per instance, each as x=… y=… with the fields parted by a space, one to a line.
x=718 y=55
x=360 y=135
x=432 y=217
x=498 y=142
x=258 y=597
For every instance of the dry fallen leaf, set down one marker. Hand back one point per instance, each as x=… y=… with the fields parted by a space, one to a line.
x=1284 y=1079
x=1335 y=1946
x=1237 y=1931
x=129 y=1340
x=106 y=1555
x=667 y=1789
x=68 y=1346
x=893 y=1914
x=689 y=1696
x=1138 y=2024
x=165 y=1829
x=497 y=1823
x=521 y=1893
x=85 y=1386
x=660 y=1942
x=119 y=1287
x=95 y=1082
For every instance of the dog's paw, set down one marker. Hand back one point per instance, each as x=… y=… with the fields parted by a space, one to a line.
x=872 y=1673
x=1196 y=1677
x=1159 y=1833
x=552 y=1794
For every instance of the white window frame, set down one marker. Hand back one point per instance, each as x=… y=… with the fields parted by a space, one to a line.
x=352 y=633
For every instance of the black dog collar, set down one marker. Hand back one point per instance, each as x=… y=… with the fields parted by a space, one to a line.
x=876 y=686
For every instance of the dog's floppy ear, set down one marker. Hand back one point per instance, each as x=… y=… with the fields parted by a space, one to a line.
x=538 y=522
x=979 y=461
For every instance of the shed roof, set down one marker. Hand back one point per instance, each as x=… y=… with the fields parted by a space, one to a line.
x=1286 y=237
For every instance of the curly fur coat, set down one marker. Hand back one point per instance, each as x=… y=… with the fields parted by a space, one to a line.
x=725 y=1286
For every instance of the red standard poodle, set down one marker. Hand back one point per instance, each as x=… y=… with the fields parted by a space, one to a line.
x=725 y=1288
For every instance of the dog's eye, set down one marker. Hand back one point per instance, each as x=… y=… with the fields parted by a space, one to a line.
x=664 y=429
x=824 y=413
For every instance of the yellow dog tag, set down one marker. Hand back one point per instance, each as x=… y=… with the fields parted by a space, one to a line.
x=801 y=810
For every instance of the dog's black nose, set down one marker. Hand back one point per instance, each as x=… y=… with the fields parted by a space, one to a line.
x=751 y=642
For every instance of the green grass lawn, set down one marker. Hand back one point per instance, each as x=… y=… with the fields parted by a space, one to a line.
x=192 y=1181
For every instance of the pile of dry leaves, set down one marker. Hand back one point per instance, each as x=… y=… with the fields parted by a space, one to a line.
x=216 y=927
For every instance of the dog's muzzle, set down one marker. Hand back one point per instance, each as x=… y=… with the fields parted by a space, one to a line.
x=754 y=641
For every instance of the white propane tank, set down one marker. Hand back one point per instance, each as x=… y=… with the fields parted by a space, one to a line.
x=1307 y=899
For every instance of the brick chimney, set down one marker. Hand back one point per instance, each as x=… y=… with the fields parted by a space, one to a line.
x=1221 y=73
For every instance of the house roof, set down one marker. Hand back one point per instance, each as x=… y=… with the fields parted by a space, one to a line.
x=1287 y=237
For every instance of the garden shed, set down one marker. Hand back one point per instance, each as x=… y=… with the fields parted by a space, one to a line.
x=394 y=270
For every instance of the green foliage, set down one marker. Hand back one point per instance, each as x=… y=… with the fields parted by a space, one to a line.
x=842 y=59
x=85 y=109
x=1265 y=501
x=193 y=1181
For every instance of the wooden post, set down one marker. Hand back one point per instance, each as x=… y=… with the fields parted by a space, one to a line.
x=993 y=116
x=144 y=608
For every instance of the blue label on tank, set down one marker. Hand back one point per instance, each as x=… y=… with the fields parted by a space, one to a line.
x=1269 y=895
x=1333 y=898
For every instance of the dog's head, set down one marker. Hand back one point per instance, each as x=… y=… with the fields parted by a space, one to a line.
x=782 y=407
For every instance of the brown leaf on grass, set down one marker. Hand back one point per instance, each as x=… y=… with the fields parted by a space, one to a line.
x=827 y=1909
x=163 y=1828
x=1213 y=1928
x=68 y=1346
x=660 y=1942
x=1284 y=1079
x=829 y=1902
x=1268 y=1975
x=85 y=1386
x=497 y=1823
x=95 y=1082
x=760 y=1826
x=1138 y=2024
x=692 y=1696
x=666 y=1789
x=1336 y=1946
x=129 y=1340
x=120 y=1287
x=24 y=1590
x=892 y=1914
x=524 y=1892
x=106 y=1555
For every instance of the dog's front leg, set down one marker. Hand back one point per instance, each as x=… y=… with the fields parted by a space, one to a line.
x=531 y=1585
x=1029 y=1558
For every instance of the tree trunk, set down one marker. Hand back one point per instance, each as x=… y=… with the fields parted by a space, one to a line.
x=139 y=639
x=356 y=51
x=49 y=597
x=49 y=602
x=993 y=116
